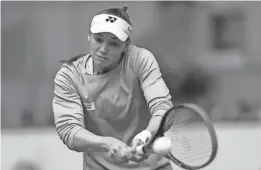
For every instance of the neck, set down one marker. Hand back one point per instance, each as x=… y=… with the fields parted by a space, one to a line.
x=99 y=69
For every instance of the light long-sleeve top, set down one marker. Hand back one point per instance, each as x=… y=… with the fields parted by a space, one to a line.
x=118 y=103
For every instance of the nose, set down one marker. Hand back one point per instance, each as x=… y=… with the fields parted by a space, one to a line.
x=104 y=48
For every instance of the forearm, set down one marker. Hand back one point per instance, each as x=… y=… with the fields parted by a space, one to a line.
x=159 y=101
x=150 y=131
x=77 y=138
x=86 y=141
x=155 y=121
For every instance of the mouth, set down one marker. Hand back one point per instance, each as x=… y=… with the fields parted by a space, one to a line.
x=104 y=58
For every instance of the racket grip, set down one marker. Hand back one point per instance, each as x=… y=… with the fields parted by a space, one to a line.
x=140 y=150
x=143 y=149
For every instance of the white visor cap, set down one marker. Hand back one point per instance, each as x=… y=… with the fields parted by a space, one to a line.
x=112 y=24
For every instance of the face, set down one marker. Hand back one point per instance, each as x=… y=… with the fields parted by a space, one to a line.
x=106 y=49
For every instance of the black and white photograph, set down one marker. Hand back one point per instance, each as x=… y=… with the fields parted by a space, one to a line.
x=130 y=85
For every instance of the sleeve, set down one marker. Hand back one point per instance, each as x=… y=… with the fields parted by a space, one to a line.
x=152 y=84
x=67 y=106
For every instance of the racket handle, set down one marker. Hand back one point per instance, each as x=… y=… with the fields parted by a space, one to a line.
x=143 y=149
x=140 y=150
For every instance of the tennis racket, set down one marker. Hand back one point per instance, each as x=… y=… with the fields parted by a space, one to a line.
x=194 y=141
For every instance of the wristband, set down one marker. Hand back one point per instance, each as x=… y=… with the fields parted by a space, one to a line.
x=144 y=136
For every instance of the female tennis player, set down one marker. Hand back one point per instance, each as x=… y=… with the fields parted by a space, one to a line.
x=108 y=102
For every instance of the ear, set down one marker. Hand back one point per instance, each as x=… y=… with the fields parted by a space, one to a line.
x=127 y=44
x=126 y=48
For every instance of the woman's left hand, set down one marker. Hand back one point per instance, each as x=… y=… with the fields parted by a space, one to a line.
x=137 y=157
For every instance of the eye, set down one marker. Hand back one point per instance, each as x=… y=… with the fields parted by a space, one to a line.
x=98 y=39
x=115 y=44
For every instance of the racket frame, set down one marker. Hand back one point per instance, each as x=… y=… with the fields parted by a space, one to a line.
x=207 y=122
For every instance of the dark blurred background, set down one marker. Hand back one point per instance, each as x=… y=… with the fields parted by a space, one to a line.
x=209 y=53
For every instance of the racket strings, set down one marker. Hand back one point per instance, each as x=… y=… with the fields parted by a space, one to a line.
x=190 y=144
x=190 y=137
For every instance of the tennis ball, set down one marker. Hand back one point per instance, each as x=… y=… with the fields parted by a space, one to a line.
x=162 y=145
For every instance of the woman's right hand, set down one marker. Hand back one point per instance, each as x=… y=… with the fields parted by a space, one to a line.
x=118 y=151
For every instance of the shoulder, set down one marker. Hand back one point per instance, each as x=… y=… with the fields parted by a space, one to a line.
x=139 y=55
x=72 y=68
x=137 y=52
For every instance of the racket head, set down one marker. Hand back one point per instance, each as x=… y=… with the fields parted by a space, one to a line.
x=193 y=135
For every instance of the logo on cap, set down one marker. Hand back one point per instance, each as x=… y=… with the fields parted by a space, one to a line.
x=111 y=19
